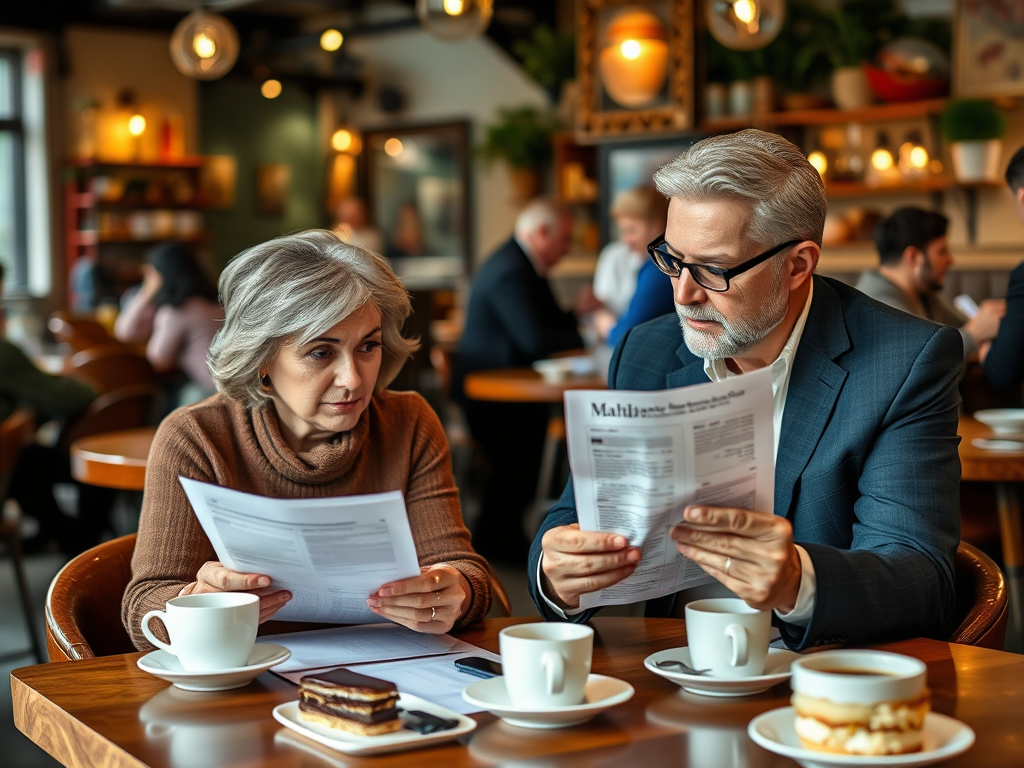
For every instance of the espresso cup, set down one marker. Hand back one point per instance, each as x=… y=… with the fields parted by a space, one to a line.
x=727 y=637
x=546 y=665
x=208 y=632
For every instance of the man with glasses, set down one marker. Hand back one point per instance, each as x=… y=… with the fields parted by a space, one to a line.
x=914 y=258
x=865 y=524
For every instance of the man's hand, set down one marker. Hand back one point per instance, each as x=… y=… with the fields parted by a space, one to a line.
x=751 y=553
x=216 y=577
x=576 y=562
x=985 y=325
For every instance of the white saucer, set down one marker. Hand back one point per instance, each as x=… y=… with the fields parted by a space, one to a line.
x=776 y=669
x=1004 y=421
x=943 y=736
x=999 y=445
x=601 y=693
x=167 y=667
x=353 y=744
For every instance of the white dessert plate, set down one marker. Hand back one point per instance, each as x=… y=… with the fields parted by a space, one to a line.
x=601 y=693
x=558 y=368
x=776 y=669
x=944 y=738
x=353 y=744
x=166 y=666
x=1004 y=421
x=998 y=445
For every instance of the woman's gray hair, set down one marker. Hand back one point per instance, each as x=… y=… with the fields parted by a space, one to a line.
x=290 y=290
x=785 y=194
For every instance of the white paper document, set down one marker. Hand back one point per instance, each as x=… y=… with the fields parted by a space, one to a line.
x=330 y=553
x=341 y=646
x=639 y=458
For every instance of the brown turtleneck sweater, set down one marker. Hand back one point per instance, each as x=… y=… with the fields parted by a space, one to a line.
x=398 y=444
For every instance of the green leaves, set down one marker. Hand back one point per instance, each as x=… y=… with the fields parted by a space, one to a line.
x=521 y=137
x=972 y=120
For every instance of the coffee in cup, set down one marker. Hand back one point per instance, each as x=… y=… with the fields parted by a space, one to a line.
x=546 y=665
x=208 y=632
x=860 y=702
x=727 y=637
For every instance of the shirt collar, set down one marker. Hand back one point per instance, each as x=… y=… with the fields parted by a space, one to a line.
x=717 y=370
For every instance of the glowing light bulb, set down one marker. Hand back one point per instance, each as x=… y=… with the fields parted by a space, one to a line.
x=745 y=10
x=919 y=157
x=881 y=159
x=331 y=40
x=204 y=46
x=393 y=147
x=453 y=7
x=136 y=125
x=819 y=161
x=630 y=49
x=271 y=88
x=342 y=140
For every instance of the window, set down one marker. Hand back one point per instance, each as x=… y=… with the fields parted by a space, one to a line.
x=24 y=175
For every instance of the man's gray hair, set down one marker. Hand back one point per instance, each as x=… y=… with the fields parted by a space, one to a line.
x=290 y=290
x=540 y=212
x=785 y=194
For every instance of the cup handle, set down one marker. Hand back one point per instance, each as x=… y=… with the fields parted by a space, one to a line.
x=554 y=664
x=739 y=644
x=149 y=633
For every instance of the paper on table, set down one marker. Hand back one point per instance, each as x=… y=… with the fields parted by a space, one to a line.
x=342 y=646
x=435 y=679
x=638 y=458
x=331 y=554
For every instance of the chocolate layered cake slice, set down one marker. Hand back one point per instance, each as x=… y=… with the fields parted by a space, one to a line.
x=352 y=702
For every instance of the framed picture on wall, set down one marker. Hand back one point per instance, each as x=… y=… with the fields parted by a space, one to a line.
x=627 y=165
x=272 y=183
x=988 y=49
x=634 y=65
x=416 y=182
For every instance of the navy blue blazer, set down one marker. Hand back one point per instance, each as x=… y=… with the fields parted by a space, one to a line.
x=1004 y=365
x=512 y=318
x=867 y=469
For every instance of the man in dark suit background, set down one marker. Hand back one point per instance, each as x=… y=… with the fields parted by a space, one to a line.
x=511 y=321
x=865 y=525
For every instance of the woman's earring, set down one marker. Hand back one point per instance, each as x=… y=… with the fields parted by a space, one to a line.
x=265 y=380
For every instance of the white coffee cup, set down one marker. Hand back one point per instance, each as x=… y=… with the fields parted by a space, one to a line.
x=546 y=665
x=208 y=632
x=727 y=637
x=859 y=676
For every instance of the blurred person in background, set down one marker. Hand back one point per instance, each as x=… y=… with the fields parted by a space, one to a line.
x=640 y=216
x=175 y=311
x=914 y=256
x=352 y=225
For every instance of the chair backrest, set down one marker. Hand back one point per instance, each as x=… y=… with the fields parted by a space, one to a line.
x=83 y=604
x=15 y=433
x=981 y=599
x=111 y=366
x=78 y=332
x=125 y=408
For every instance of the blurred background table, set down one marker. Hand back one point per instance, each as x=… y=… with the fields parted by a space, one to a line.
x=113 y=459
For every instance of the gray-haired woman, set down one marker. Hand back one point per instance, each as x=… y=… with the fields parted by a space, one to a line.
x=311 y=338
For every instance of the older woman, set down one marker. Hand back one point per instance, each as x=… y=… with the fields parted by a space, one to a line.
x=311 y=339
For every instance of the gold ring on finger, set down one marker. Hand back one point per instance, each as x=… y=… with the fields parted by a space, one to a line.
x=728 y=565
x=433 y=612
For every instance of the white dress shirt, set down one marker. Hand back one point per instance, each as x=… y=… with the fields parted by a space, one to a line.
x=717 y=370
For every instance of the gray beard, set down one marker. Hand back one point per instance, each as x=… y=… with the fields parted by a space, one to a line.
x=738 y=337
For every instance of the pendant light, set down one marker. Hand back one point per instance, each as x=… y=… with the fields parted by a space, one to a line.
x=455 y=19
x=744 y=25
x=204 y=46
x=634 y=57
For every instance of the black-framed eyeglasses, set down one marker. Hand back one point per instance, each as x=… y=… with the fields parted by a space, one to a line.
x=713 y=278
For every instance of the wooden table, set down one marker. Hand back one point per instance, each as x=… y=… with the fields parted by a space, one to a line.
x=107 y=712
x=113 y=459
x=1005 y=469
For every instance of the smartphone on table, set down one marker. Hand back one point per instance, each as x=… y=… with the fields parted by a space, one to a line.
x=478 y=666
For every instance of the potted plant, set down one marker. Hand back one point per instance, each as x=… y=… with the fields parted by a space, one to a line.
x=973 y=128
x=522 y=140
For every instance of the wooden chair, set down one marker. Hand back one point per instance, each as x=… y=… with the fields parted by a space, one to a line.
x=982 y=606
x=83 y=604
x=125 y=408
x=111 y=366
x=16 y=431
x=78 y=332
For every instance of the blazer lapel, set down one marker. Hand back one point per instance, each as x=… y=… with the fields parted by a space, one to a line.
x=814 y=386
x=692 y=371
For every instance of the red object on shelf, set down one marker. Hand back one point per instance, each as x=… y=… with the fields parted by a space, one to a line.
x=891 y=87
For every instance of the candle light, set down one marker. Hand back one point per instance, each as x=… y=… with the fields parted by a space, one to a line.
x=634 y=60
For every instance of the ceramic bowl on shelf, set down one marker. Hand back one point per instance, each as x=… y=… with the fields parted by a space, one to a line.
x=893 y=87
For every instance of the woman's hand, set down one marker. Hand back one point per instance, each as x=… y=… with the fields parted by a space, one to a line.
x=431 y=602
x=215 y=577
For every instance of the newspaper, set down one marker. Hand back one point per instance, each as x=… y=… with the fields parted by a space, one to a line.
x=331 y=554
x=638 y=458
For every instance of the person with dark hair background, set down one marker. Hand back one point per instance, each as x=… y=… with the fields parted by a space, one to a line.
x=914 y=257
x=175 y=310
x=1004 y=361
